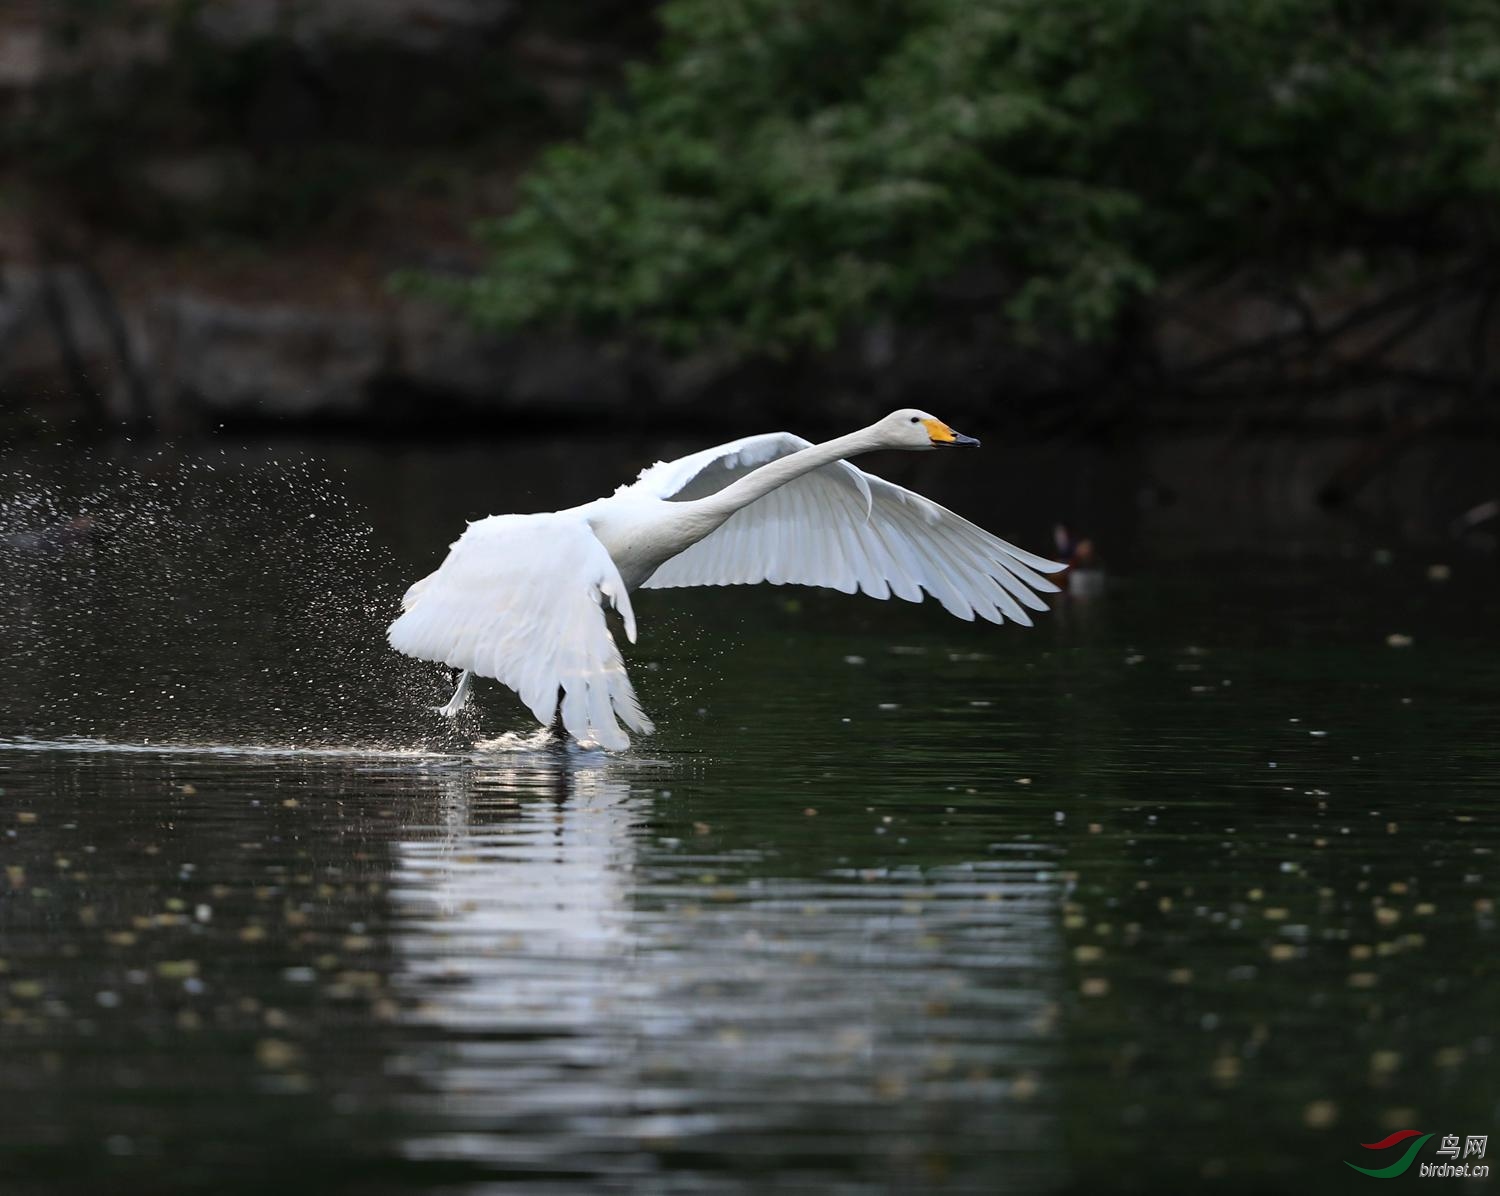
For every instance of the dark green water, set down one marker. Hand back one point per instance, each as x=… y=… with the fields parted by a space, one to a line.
x=1191 y=886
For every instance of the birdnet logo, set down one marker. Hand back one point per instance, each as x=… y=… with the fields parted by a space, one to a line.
x=1393 y=1162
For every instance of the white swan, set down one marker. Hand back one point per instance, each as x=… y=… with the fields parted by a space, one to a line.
x=519 y=597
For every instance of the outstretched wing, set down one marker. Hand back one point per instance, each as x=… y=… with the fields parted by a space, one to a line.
x=709 y=471
x=848 y=530
x=519 y=598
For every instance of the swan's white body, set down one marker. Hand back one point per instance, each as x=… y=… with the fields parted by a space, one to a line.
x=520 y=597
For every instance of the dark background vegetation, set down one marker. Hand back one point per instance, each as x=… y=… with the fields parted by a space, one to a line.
x=1056 y=217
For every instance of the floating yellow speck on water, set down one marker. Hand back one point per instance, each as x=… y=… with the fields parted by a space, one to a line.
x=26 y=990
x=1094 y=986
x=1276 y=914
x=1088 y=953
x=1439 y=572
x=1425 y=909
x=1023 y=780
x=350 y=982
x=1382 y=1063
x=1399 y=1117
x=252 y=934
x=809 y=812
x=120 y=938
x=1164 y=904
x=1225 y=1069
x=291 y=803
x=701 y=828
x=1180 y=976
x=941 y=1063
x=1387 y=916
x=1025 y=1086
x=276 y=1055
x=1281 y=952
x=189 y=790
x=1362 y=980
x=177 y=969
x=25 y=817
x=890 y=1087
x=1255 y=894
x=1397 y=886
x=1319 y=1114
x=1397 y=640
x=1095 y=828
x=1360 y=951
x=1449 y=1056
x=1484 y=905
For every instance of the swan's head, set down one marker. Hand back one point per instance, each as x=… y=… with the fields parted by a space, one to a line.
x=913 y=429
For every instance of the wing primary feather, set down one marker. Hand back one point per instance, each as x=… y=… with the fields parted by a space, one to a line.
x=984 y=579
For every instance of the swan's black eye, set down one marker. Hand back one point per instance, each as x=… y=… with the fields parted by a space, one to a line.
x=915 y=420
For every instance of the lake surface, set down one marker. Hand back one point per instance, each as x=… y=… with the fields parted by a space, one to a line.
x=1192 y=885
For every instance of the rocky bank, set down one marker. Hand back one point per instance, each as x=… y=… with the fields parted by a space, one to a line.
x=205 y=203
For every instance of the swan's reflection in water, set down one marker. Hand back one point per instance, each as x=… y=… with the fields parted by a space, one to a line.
x=608 y=1004
x=520 y=909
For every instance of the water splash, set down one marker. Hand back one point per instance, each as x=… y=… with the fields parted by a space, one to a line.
x=193 y=598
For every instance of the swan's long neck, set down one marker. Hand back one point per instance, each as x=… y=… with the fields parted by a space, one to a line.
x=760 y=482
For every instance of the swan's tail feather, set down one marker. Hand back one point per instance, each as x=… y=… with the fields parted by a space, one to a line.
x=519 y=598
x=460 y=697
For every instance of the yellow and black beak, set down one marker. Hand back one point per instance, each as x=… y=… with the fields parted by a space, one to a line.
x=945 y=437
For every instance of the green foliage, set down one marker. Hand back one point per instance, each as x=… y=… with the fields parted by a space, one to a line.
x=790 y=167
